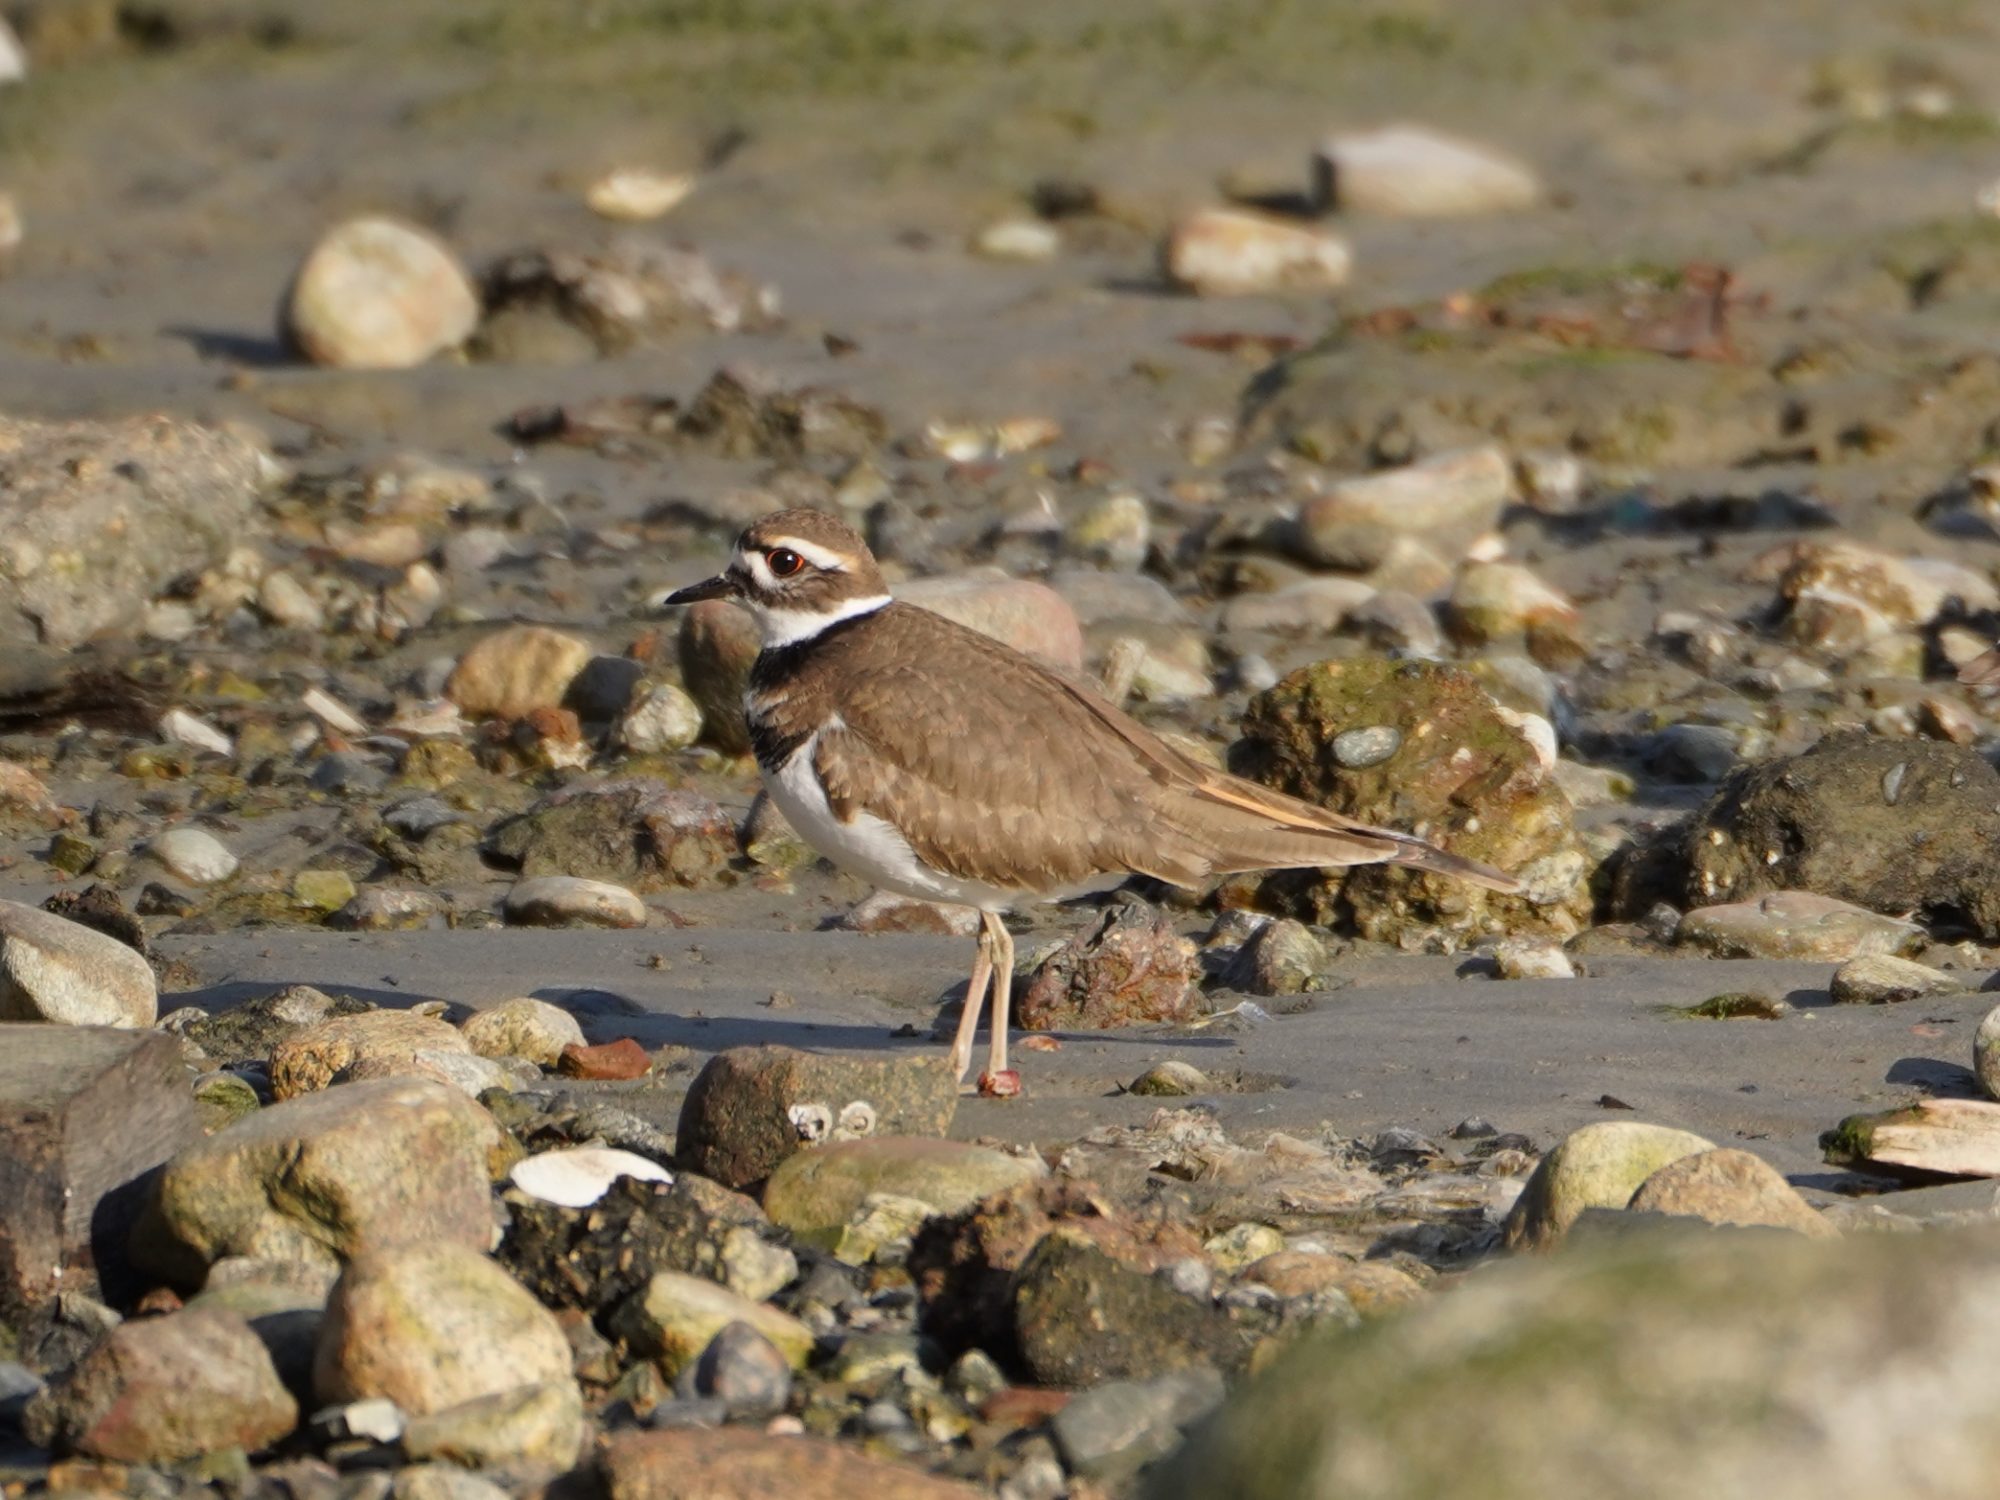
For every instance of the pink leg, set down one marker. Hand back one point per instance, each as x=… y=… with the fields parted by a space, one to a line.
x=975 y=1001
x=1003 y=989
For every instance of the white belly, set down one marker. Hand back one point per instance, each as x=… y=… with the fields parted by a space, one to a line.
x=869 y=846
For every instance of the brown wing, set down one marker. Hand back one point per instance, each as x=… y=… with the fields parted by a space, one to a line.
x=1084 y=790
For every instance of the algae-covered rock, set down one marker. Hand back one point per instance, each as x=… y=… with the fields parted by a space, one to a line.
x=1466 y=775
x=1131 y=967
x=636 y=832
x=1082 y=1317
x=1599 y=1166
x=1670 y=1367
x=964 y=1266
x=816 y=1192
x=1897 y=826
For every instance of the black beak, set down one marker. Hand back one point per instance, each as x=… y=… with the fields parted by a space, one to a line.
x=722 y=586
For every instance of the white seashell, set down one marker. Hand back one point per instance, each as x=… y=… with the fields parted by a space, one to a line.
x=578 y=1176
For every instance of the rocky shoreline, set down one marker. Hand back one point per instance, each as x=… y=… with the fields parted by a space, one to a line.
x=433 y=1073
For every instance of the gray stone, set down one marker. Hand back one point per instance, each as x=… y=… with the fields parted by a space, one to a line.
x=158 y=1390
x=1357 y=749
x=745 y=1371
x=1791 y=1359
x=85 y=1114
x=324 y=1177
x=100 y=517
x=1111 y=1431
x=1795 y=924
x=53 y=969
x=1882 y=979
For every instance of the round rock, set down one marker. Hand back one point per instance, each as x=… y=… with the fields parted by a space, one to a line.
x=194 y=854
x=53 y=969
x=375 y=294
x=516 y=671
x=571 y=901
x=524 y=1027
x=431 y=1326
x=1599 y=1166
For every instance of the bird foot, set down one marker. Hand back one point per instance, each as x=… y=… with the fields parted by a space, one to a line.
x=1006 y=1084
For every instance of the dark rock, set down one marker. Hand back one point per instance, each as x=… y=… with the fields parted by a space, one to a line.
x=629 y=294
x=249 y=1032
x=1467 y=777
x=745 y=1371
x=158 y=1390
x=85 y=1114
x=1130 y=967
x=738 y=1121
x=1082 y=1317
x=635 y=832
x=742 y=416
x=599 y=1256
x=963 y=1267
x=1893 y=825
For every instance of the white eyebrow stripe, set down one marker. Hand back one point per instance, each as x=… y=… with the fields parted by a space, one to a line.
x=819 y=557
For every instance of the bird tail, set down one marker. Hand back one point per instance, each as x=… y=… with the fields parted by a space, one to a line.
x=1416 y=852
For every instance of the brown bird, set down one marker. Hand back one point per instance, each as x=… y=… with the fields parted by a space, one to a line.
x=943 y=765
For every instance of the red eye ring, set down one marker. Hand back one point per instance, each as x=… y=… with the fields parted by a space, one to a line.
x=783 y=562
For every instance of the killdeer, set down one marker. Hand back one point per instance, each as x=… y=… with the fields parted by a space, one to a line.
x=946 y=766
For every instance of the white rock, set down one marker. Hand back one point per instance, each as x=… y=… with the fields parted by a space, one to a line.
x=331 y=712
x=664 y=718
x=569 y=900
x=579 y=1176
x=1224 y=252
x=285 y=601
x=378 y=295
x=1018 y=239
x=633 y=195
x=1408 y=171
x=12 y=229
x=53 y=969
x=179 y=727
x=194 y=854
x=13 y=56
x=1532 y=958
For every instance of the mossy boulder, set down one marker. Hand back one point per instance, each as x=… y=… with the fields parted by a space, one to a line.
x=1599 y=1166
x=815 y=1193
x=1467 y=775
x=1082 y=1317
x=1675 y=1365
x=1900 y=826
x=636 y=832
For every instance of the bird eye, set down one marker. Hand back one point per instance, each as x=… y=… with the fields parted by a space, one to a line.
x=784 y=562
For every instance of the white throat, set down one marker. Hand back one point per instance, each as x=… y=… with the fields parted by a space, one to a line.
x=787 y=627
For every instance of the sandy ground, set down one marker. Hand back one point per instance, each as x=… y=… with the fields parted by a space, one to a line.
x=170 y=185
